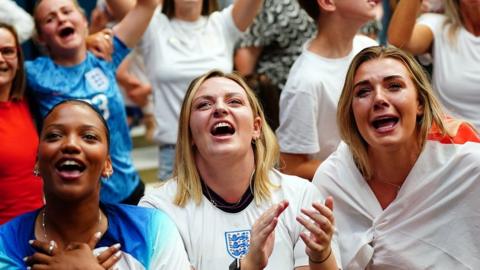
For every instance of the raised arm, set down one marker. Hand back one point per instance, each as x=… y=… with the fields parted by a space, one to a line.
x=404 y=33
x=131 y=28
x=246 y=59
x=244 y=12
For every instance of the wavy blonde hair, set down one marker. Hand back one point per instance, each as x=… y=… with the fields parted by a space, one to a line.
x=432 y=110
x=185 y=172
x=454 y=19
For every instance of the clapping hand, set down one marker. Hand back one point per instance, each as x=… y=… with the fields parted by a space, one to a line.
x=320 y=226
x=263 y=238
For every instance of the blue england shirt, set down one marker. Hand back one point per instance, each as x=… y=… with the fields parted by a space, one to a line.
x=94 y=81
x=149 y=239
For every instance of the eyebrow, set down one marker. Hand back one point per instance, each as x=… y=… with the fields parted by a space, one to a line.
x=82 y=127
x=388 y=78
x=210 y=97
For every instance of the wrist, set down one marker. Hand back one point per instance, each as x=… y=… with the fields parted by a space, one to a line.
x=321 y=260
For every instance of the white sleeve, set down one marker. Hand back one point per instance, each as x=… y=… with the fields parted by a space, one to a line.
x=169 y=251
x=14 y=15
x=225 y=19
x=433 y=21
x=298 y=131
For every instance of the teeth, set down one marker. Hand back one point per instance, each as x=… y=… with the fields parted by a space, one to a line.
x=222 y=124
x=70 y=163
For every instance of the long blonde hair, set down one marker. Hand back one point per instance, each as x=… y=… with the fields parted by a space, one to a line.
x=432 y=110
x=185 y=172
x=454 y=19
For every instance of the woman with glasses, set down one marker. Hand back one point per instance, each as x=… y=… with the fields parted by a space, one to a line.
x=21 y=190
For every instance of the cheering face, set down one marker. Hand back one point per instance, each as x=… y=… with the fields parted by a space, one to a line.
x=73 y=152
x=385 y=104
x=8 y=61
x=221 y=120
x=63 y=27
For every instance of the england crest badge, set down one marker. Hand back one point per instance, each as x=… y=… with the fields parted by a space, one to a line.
x=237 y=243
x=97 y=79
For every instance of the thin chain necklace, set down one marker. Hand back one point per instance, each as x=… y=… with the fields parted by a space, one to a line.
x=398 y=187
x=44 y=226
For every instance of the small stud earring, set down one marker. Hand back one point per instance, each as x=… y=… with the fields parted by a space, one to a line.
x=36 y=172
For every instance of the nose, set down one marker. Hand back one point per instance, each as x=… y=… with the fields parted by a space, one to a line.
x=220 y=109
x=379 y=99
x=61 y=17
x=70 y=145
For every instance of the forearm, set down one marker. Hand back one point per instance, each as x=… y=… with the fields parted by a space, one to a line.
x=298 y=164
x=246 y=59
x=119 y=8
x=403 y=20
x=244 y=12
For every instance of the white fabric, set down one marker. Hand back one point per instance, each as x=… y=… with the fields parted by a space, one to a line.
x=308 y=103
x=14 y=15
x=434 y=223
x=204 y=227
x=456 y=69
x=175 y=52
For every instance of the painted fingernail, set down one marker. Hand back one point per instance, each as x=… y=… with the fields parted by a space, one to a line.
x=25 y=258
x=28 y=268
x=98 y=235
x=30 y=242
x=118 y=254
x=117 y=246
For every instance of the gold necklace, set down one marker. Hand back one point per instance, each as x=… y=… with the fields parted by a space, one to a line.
x=44 y=226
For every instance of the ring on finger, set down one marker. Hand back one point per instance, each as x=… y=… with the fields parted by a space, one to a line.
x=51 y=247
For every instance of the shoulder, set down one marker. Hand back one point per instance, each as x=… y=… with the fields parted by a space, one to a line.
x=306 y=74
x=36 y=65
x=433 y=21
x=291 y=184
x=338 y=163
x=161 y=195
x=361 y=42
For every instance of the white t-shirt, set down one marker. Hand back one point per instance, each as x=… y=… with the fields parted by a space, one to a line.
x=456 y=69
x=308 y=103
x=433 y=223
x=213 y=238
x=12 y=14
x=175 y=52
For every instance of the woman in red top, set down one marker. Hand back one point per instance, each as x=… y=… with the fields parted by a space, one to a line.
x=20 y=189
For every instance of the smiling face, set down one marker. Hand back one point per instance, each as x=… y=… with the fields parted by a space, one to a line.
x=221 y=119
x=8 y=62
x=61 y=25
x=73 y=152
x=385 y=104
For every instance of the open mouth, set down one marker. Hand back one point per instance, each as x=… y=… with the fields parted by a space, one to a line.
x=385 y=123
x=222 y=129
x=4 y=69
x=70 y=168
x=66 y=32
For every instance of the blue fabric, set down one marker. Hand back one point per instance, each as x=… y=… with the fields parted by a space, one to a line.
x=94 y=81
x=140 y=231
